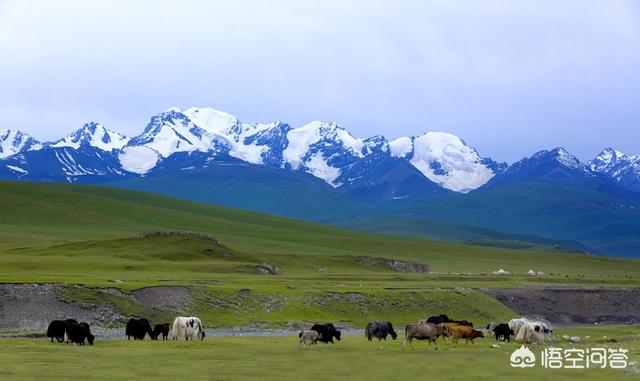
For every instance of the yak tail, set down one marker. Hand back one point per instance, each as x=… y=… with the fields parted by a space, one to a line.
x=300 y=335
x=367 y=334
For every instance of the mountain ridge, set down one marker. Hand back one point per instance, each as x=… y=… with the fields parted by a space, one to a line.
x=324 y=149
x=368 y=168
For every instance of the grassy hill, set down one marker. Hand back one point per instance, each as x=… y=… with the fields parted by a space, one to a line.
x=94 y=236
x=253 y=187
x=610 y=225
x=550 y=216
x=45 y=216
x=468 y=234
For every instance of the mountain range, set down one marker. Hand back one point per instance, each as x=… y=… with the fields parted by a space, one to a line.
x=198 y=136
x=321 y=172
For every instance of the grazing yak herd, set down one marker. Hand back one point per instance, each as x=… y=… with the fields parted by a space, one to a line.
x=70 y=331
x=191 y=328
x=522 y=329
x=431 y=329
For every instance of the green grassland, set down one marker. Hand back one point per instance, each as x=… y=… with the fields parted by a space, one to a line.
x=90 y=240
x=604 y=222
x=93 y=236
x=278 y=358
x=54 y=222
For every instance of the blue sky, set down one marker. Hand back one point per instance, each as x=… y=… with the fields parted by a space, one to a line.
x=509 y=77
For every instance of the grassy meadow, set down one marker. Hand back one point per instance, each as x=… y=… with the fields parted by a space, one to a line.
x=90 y=240
x=281 y=357
x=64 y=232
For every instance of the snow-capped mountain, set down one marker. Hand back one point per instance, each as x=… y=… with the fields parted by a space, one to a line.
x=608 y=159
x=446 y=160
x=379 y=177
x=256 y=143
x=169 y=133
x=88 y=154
x=322 y=149
x=85 y=163
x=193 y=138
x=13 y=142
x=622 y=168
x=93 y=135
x=372 y=169
x=556 y=165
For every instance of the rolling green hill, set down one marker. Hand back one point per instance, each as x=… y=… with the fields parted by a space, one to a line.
x=300 y=195
x=253 y=187
x=37 y=216
x=610 y=225
x=469 y=234
x=103 y=237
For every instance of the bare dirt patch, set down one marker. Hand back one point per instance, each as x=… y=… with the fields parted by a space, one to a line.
x=162 y=297
x=35 y=305
x=570 y=306
x=395 y=265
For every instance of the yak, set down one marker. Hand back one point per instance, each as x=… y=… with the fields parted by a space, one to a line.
x=379 y=330
x=138 y=328
x=310 y=336
x=327 y=332
x=57 y=329
x=161 y=329
x=423 y=331
x=78 y=332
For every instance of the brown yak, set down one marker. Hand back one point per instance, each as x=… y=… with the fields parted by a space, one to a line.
x=425 y=331
x=464 y=332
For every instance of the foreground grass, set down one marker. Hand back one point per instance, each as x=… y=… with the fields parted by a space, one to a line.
x=282 y=358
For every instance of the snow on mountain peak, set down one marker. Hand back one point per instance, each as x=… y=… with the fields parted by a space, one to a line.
x=299 y=141
x=94 y=135
x=254 y=141
x=376 y=143
x=316 y=145
x=623 y=168
x=14 y=141
x=607 y=159
x=167 y=133
x=401 y=147
x=614 y=152
x=446 y=160
x=323 y=149
x=548 y=161
x=173 y=131
x=564 y=158
x=244 y=138
x=138 y=159
x=212 y=120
